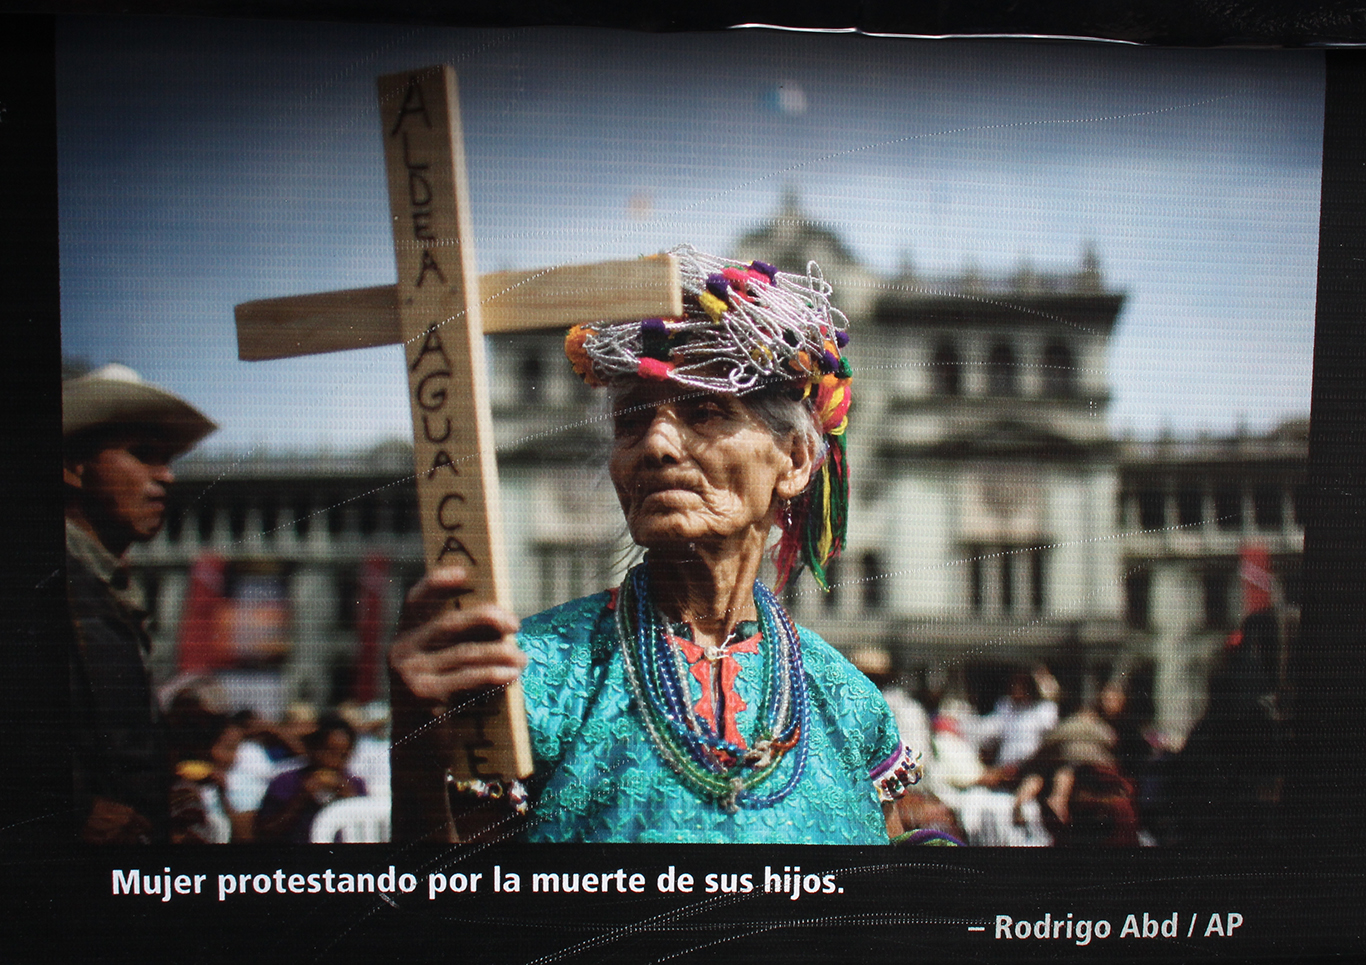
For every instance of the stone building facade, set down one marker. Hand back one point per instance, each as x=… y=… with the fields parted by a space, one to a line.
x=994 y=520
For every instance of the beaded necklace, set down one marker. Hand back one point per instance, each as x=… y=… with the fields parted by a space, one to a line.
x=710 y=765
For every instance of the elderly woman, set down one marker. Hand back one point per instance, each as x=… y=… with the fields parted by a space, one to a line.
x=685 y=705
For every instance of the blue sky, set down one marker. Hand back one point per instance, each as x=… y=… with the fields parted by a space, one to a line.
x=205 y=163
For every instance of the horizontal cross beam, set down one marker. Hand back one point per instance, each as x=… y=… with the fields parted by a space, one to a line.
x=512 y=301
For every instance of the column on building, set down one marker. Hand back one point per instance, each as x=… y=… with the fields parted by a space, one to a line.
x=170 y=602
x=1176 y=613
x=313 y=603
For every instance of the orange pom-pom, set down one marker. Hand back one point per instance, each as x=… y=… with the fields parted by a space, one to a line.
x=577 y=353
x=832 y=402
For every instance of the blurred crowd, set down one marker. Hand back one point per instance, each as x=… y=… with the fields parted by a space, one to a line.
x=237 y=776
x=1044 y=768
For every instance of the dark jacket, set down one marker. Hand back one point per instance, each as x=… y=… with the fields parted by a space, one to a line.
x=119 y=747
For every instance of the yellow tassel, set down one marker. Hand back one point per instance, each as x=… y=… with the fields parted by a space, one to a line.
x=827 y=538
x=713 y=305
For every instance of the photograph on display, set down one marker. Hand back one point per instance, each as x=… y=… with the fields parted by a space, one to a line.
x=1051 y=307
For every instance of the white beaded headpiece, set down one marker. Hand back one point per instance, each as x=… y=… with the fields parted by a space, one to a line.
x=743 y=325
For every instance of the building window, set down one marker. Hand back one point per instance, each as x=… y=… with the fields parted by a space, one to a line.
x=175 y=521
x=976 y=577
x=1190 y=505
x=1137 y=597
x=1228 y=509
x=531 y=373
x=270 y=516
x=237 y=518
x=367 y=512
x=874 y=597
x=348 y=598
x=1059 y=372
x=1152 y=509
x=948 y=370
x=403 y=516
x=336 y=519
x=205 y=521
x=303 y=515
x=1006 y=580
x=1267 y=507
x=1036 y=579
x=1002 y=372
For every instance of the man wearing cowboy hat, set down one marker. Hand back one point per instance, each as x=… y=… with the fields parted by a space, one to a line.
x=119 y=435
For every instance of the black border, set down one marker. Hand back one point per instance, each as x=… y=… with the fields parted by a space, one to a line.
x=1300 y=895
x=31 y=567
x=1329 y=676
x=1201 y=23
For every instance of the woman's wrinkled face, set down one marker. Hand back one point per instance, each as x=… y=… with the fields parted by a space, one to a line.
x=701 y=468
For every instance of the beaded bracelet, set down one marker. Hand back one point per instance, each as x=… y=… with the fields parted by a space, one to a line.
x=513 y=792
x=905 y=773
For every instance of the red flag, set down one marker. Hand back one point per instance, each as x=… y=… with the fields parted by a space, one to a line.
x=374 y=579
x=200 y=645
x=1254 y=576
x=1254 y=572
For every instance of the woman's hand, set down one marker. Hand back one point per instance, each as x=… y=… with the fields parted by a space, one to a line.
x=441 y=651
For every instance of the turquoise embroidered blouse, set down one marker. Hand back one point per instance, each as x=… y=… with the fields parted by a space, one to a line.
x=599 y=778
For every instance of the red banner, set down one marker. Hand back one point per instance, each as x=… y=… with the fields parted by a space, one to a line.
x=201 y=645
x=370 y=621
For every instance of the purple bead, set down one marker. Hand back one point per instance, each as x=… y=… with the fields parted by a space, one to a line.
x=765 y=267
x=831 y=363
x=719 y=286
x=841 y=339
x=654 y=325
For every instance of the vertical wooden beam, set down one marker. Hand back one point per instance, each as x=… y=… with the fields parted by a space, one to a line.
x=442 y=334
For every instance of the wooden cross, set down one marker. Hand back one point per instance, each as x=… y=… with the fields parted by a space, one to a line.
x=439 y=311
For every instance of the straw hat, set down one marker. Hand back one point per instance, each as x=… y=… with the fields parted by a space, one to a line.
x=115 y=395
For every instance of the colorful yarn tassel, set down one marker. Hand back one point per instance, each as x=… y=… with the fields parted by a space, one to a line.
x=816 y=526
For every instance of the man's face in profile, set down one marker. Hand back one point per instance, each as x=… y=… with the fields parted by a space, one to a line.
x=123 y=485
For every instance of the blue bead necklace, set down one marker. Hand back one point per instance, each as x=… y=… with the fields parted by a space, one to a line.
x=710 y=765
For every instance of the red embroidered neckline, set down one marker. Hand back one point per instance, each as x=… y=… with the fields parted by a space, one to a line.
x=716 y=678
x=716 y=688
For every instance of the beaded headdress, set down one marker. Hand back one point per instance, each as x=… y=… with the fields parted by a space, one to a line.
x=746 y=327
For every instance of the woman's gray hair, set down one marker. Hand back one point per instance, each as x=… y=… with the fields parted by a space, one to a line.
x=785 y=415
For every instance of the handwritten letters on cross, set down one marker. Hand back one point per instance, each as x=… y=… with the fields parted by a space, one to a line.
x=457 y=483
x=436 y=311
